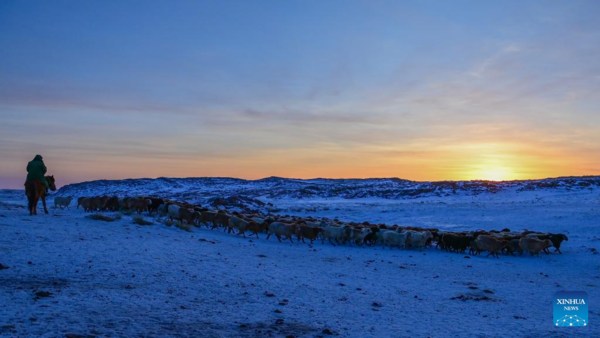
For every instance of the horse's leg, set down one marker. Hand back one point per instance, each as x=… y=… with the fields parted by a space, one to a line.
x=44 y=203
x=34 y=203
x=30 y=205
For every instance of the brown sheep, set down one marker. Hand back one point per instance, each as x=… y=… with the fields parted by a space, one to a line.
x=187 y=215
x=474 y=249
x=256 y=227
x=127 y=203
x=514 y=246
x=491 y=244
x=221 y=220
x=206 y=217
x=307 y=231
x=139 y=205
x=111 y=204
x=97 y=203
x=86 y=204
x=240 y=224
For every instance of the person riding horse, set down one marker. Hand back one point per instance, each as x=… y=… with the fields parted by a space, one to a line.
x=36 y=170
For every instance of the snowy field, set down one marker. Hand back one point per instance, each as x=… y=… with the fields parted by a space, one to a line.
x=123 y=280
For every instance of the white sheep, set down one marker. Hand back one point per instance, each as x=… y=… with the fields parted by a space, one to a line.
x=173 y=211
x=333 y=233
x=281 y=229
x=62 y=202
x=380 y=234
x=419 y=239
x=392 y=238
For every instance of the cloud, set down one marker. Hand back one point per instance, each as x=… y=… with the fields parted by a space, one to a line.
x=493 y=61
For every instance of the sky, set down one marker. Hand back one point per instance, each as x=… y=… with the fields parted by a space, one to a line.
x=421 y=90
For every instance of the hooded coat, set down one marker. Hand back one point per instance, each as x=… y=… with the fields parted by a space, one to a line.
x=36 y=170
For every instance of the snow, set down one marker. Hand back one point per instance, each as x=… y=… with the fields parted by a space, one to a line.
x=200 y=189
x=120 y=279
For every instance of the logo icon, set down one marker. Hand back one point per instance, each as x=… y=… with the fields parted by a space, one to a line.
x=570 y=308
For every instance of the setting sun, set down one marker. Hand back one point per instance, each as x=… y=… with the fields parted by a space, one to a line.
x=494 y=174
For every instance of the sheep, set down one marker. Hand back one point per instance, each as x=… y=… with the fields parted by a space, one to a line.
x=256 y=227
x=206 y=217
x=307 y=231
x=491 y=244
x=455 y=242
x=79 y=200
x=139 y=205
x=221 y=220
x=355 y=235
x=111 y=204
x=536 y=235
x=98 y=202
x=281 y=229
x=163 y=209
x=514 y=246
x=474 y=249
x=62 y=202
x=379 y=234
x=86 y=204
x=127 y=202
x=371 y=237
x=556 y=240
x=240 y=224
x=155 y=203
x=173 y=211
x=393 y=238
x=534 y=246
x=419 y=239
x=314 y=224
x=434 y=237
x=187 y=215
x=331 y=232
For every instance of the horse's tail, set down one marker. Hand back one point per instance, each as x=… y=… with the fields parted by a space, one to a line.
x=27 y=188
x=31 y=189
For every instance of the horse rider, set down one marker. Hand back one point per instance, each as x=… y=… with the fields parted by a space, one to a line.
x=36 y=170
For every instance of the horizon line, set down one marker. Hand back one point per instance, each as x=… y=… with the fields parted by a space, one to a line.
x=339 y=179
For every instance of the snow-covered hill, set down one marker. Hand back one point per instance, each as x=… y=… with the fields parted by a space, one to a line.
x=276 y=188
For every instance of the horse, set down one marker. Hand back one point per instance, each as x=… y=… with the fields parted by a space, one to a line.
x=35 y=190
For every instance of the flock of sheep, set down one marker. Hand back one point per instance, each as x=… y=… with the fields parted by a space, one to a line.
x=331 y=230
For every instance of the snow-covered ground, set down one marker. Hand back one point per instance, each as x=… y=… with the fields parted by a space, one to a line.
x=119 y=279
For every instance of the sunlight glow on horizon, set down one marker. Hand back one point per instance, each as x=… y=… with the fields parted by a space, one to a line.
x=479 y=163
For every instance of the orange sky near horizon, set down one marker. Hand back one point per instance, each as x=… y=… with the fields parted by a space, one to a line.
x=485 y=161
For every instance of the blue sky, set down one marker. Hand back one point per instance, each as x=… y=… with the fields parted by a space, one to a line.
x=425 y=90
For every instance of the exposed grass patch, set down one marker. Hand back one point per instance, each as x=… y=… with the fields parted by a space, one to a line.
x=127 y=212
x=139 y=220
x=168 y=222
x=186 y=227
x=100 y=217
